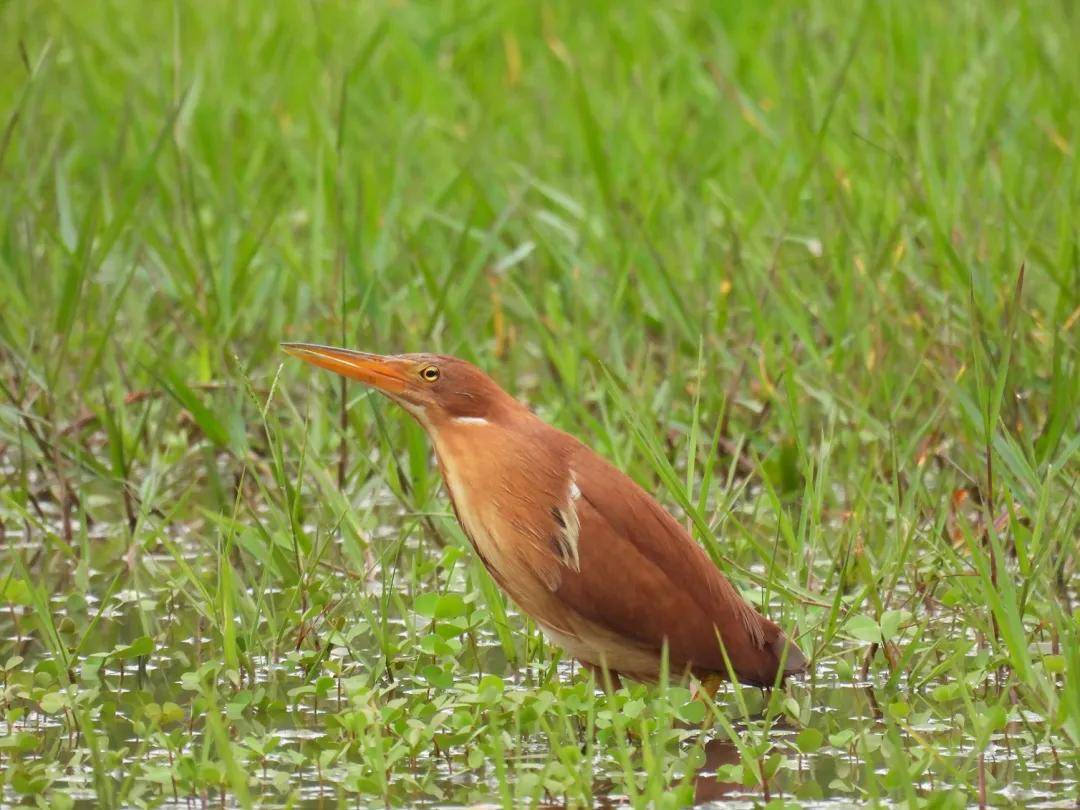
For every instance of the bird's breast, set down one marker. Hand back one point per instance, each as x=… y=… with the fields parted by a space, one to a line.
x=470 y=478
x=468 y=507
x=494 y=500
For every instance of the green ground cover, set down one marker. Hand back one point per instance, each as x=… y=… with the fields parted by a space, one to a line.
x=809 y=272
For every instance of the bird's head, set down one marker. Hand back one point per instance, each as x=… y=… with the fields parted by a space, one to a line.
x=432 y=387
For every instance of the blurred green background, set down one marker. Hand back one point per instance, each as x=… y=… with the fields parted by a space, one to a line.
x=810 y=273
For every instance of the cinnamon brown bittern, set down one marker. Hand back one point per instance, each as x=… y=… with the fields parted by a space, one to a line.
x=602 y=568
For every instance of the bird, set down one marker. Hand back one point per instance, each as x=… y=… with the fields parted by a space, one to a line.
x=600 y=566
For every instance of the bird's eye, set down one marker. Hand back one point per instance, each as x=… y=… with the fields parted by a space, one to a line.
x=430 y=373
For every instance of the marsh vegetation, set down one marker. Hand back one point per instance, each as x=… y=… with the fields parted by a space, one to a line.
x=809 y=273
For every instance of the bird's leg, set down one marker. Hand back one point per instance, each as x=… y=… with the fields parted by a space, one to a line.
x=708 y=686
x=705 y=691
x=608 y=679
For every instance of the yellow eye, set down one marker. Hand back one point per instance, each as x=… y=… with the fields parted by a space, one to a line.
x=430 y=373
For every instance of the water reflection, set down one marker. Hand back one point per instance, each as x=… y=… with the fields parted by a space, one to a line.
x=708 y=787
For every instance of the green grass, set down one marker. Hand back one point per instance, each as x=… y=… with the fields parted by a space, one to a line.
x=808 y=272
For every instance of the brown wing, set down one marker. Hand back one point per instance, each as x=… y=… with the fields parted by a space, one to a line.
x=642 y=577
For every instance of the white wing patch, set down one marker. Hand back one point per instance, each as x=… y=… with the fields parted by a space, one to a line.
x=568 y=528
x=575 y=492
x=470 y=420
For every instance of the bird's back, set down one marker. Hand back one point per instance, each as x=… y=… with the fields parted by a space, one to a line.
x=630 y=544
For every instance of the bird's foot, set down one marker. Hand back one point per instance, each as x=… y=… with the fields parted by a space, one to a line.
x=707 y=686
x=704 y=690
x=606 y=679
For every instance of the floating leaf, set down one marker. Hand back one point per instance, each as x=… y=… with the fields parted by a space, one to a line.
x=91 y=665
x=633 y=708
x=863 y=628
x=450 y=606
x=27 y=783
x=425 y=604
x=842 y=738
x=54 y=702
x=23 y=741
x=434 y=644
x=437 y=676
x=140 y=647
x=693 y=711
x=491 y=687
x=809 y=740
x=945 y=692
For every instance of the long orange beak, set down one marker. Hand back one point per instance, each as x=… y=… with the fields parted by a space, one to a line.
x=385 y=373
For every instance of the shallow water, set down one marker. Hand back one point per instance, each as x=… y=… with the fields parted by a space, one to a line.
x=311 y=762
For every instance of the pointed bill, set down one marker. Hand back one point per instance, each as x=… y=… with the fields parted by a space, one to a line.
x=387 y=374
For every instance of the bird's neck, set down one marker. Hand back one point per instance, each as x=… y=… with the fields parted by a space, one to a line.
x=473 y=448
x=473 y=436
